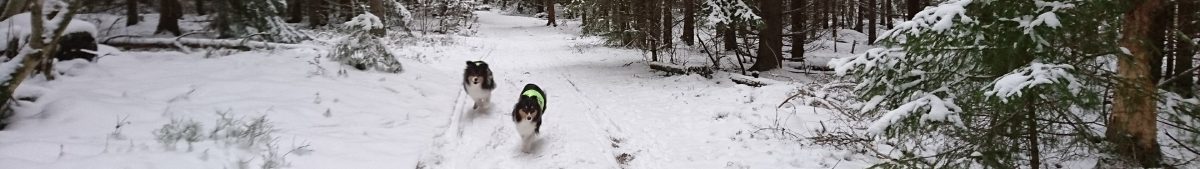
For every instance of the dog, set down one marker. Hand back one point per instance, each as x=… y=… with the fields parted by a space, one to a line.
x=527 y=114
x=478 y=82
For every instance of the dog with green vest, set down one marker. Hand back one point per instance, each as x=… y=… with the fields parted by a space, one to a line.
x=531 y=105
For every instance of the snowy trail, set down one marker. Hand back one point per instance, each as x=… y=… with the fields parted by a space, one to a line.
x=606 y=109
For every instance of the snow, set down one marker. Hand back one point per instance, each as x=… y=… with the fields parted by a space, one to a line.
x=606 y=109
x=19 y=27
x=937 y=19
x=365 y=21
x=938 y=109
x=1029 y=77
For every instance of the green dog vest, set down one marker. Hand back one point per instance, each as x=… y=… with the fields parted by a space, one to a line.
x=534 y=93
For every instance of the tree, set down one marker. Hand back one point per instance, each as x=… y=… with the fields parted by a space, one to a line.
x=689 y=22
x=963 y=87
x=168 y=20
x=798 y=32
x=200 y=7
x=914 y=6
x=318 y=13
x=770 y=42
x=668 y=23
x=13 y=7
x=550 y=13
x=729 y=37
x=858 y=24
x=254 y=18
x=1132 y=126
x=131 y=12
x=871 y=29
x=1187 y=27
x=295 y=11
x=376 y=7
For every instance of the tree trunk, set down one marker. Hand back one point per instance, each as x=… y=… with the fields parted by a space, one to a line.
x=1132 y=126
x=347 y=10
x=798 y=32
x=914 y=6
x=1185 y=52
x=131 y=12
x=200 y=7
x=871 y=29
x=770 y=43
x=318 y=13
x=887 y=14
x=168 y=20
x=377 y=9
x=689 y=22
x=668 y=23
x=14 y=7
x=858 y=24
x=730 y=36
x=295 y=11
x=550 y=13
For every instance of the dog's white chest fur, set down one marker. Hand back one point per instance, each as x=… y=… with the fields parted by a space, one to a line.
x=526 y=128
x=477 y=92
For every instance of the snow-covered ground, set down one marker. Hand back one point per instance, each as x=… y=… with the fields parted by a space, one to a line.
x=606 y=109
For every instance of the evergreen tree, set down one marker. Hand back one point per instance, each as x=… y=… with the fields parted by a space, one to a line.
x=239 y=19
x=997 y=84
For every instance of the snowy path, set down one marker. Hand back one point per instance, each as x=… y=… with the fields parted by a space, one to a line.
x=606 y=109
x=605 y=102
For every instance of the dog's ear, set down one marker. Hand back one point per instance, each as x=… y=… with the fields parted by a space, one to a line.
x=468 y=63
x=483 y=64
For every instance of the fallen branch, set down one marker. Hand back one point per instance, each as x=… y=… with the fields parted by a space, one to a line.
x=677 y=69
x=751 y=81
x=137 y=42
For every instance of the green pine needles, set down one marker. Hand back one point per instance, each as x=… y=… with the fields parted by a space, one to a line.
x=991 y=83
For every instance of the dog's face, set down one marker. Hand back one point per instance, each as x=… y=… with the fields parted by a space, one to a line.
x=528 y=108
x=476 y=72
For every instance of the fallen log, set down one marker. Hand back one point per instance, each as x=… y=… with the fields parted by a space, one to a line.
x=677 y=69
x=751 y=81
x=184 y=43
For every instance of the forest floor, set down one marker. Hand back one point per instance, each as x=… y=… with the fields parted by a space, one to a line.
x=605 y=109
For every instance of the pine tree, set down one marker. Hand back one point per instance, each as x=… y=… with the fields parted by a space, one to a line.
x=1133 y=124
x=799 y=34
x=969 y=87
x=239 y=19
x=689 y=22
x=770 y=43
